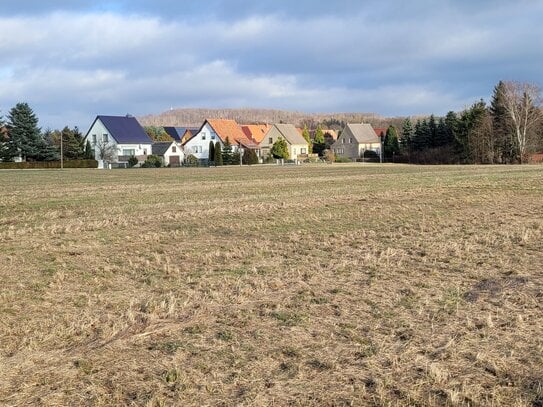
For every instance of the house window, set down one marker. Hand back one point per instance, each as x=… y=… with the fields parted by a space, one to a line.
x=104 y=138
x=174 y=150
x=343 y=141
x=203 y=136
x=213 y=136
x=129 y=152
x=197 y=149
x=270 y=140
x=94 y=139
x=351 y=140
x=144 y=151
x=294 y=151
x=303 y=151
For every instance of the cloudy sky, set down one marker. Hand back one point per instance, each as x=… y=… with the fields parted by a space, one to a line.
x=73 y=59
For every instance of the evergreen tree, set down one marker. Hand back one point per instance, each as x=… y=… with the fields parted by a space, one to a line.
x=73 y=143
x=217 y=154
x=211 y=152
x=227 y=152
x=421 y=138
x=25 y=133
x=432 y=132
x=89 y=151
x=391 y=145
x=318 y=142
x=451 y=127
x=501 y=126
x=305 y=134
x=250 y=157
x=441 y=133
x=279 y=149
x=407 y=135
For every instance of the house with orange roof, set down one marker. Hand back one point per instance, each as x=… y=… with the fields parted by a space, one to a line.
x=256 y=132
x=217 y=130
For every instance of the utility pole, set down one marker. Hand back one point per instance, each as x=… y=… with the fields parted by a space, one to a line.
x=61 y=152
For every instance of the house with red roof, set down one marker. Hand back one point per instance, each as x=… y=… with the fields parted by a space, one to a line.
x=217 y=130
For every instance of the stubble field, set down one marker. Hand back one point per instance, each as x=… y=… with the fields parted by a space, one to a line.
x=324 y=285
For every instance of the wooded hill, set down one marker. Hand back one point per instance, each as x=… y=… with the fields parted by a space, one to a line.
x=195 y=117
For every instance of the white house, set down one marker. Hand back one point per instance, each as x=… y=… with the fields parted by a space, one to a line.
x=217 y=130
x=169 y=152
x=116 y=138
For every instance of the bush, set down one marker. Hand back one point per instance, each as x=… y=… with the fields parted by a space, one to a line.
x=152 y=161
x=339 y=159
x=49 y=164
x=191 y=161
x=250 y=157
x=132 y=161
x=329 y=156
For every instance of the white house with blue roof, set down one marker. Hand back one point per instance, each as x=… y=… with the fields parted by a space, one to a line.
x=116 y=138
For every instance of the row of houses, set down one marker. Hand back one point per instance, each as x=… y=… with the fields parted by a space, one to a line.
x=117 y=138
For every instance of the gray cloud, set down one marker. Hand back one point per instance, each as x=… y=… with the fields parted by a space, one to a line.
x=71 y=61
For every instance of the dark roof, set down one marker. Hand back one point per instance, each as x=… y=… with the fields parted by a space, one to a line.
x=161 y=147
x=124 y=129
x=175 y=132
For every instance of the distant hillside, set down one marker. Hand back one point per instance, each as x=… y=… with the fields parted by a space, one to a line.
x=195 y=117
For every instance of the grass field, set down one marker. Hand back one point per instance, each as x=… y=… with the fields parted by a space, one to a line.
x=325 y=285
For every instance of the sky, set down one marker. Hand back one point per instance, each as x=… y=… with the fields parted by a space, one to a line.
x=74 y=59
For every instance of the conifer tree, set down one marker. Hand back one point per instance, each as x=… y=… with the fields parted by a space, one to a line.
x=501 y=126
x=25 y=133
x=391 y=144
x=217 y=157
x=227 y=152
x=407 y=134
x=305 y=134
x=8 y=150
x=211 y=152
x=319 y=143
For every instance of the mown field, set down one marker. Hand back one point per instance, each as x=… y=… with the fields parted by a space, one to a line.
x=324 y=285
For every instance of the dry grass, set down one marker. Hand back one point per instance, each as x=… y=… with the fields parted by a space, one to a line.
x=322 y=285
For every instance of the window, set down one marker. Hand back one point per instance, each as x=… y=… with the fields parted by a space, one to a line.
x=203 y=136
x=94 y=139
x=129 y=152
x=213 y=136
x=270 y=140
x=144 y=151
x=351 y=140
x=343 y=141
x=104 y=138
x=197 y=149
x=303 y=151
x=294 y=151
x=174 y=149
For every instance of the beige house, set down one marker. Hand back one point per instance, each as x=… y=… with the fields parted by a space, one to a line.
x=355 y=139
x=297 y=146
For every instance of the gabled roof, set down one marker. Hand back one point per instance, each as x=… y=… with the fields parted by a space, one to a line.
x=362 y=132
x=380 y=130
x=175 y=132
x=256 y=132
x=124 y=129
x=231 y=130
x=161 y=147
x=290 y=133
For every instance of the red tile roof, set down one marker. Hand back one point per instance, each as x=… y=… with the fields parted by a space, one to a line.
x=379 y=130
x=256 y=132
x=231 y=130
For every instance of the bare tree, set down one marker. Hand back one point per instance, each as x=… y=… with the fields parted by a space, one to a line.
x=105 y=150
x=522 y=102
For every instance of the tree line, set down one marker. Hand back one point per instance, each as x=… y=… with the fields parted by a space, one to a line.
x=506 y=131
x=21 y=137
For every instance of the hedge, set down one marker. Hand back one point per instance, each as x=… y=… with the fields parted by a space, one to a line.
x=48 y=164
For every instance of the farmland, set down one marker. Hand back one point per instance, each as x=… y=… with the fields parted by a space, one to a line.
x=309 y=285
